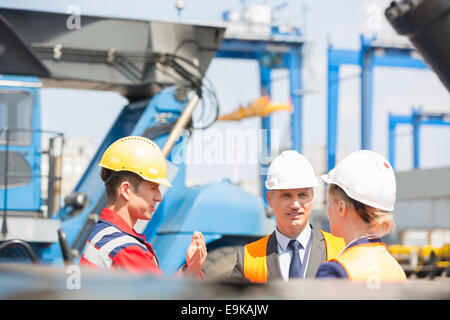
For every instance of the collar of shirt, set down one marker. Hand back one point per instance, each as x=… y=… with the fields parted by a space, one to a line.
x=303 y=238
x=112 y=218
x=363 y=240
x=285 y=254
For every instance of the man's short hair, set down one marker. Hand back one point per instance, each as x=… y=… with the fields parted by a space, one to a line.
x=113 y=179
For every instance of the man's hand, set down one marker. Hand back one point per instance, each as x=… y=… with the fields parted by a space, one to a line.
x=196 y=254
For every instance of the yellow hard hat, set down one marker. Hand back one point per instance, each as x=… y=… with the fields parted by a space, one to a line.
x=139 y=155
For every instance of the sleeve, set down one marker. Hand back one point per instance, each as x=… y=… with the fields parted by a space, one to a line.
x=331 y=269
x=237 y=275
x=135 y=260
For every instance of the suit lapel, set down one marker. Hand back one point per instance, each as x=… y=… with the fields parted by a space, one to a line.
x=317 y=255
x=273 y=264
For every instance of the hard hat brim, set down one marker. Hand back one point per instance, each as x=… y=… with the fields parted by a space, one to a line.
x=162 y=181
x=326 y=178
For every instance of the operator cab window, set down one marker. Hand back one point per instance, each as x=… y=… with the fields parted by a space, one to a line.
x=15 y=114
x=16 y=110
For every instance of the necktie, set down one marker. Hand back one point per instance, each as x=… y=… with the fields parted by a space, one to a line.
x=295 y=266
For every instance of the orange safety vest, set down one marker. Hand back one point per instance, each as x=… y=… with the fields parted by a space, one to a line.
x=370 y=261
x=255 y=266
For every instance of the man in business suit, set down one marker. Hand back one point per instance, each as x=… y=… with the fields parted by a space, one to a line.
x=295 y=249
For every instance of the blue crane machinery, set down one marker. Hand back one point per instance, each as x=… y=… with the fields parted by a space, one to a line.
x=417 y=119
x=281 y=49
x=371 y=54
x=163 y=79
x=261 y=107
x=425 y=24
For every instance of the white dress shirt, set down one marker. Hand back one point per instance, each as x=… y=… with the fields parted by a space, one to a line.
x=285 y=253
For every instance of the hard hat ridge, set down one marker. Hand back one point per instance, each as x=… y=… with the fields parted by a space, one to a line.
x=138 y=155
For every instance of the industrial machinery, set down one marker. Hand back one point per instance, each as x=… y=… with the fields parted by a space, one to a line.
x=372 y=53
x=422 y=261
x=262 y=107
x=417 y=119
x=159 y=67
x=426 y=24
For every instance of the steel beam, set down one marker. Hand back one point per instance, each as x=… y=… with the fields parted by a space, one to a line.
x=416 y=120
x=371 y=54
x=336 y=58
x=291 y=52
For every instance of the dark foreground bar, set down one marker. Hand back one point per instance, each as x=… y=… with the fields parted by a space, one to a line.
x=71 y=283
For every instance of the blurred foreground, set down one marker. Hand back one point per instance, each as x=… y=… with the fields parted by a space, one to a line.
x=54 y=283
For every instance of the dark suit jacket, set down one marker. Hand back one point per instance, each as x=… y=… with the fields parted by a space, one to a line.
x=316 y=258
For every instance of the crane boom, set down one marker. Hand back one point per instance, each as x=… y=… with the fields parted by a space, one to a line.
x=136 y=58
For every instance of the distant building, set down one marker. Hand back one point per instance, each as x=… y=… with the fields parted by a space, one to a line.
x=422 y=210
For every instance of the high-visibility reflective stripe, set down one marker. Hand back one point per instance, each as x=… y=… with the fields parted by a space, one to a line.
x=120 y=241
x=99 y=235
x=100 y=256
x=95 y=256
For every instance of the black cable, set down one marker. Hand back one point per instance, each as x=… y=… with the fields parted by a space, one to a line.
x=125 y=63
x=201 y=82
x=28 y=249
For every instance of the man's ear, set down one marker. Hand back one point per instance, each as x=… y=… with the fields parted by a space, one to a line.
x=125 y=190
x=268 y=197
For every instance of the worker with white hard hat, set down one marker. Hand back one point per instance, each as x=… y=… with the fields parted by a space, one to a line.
x=361 y=198
x=295 y=249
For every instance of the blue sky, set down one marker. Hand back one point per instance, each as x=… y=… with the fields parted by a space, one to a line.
x=339 y=22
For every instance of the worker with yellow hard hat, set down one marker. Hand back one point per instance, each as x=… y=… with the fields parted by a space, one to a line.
x=296 y=249
x=361 y=198
x=133 y=168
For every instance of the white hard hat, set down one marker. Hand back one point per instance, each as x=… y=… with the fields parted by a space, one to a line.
x=367 y=177
x=290 y=170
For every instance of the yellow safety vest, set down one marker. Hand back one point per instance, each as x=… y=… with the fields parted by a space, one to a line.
x=371 y=261
x=255 y=266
